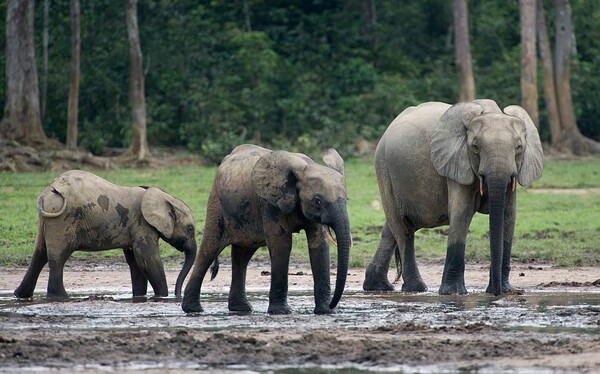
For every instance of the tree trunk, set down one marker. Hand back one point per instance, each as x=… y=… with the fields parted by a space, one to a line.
x=548 y=74
x=44 y=81
x=529 y=94
x=562 y=65
x=463 y=52
x=247 y=16
x=74 y=88
x=368 y=12
x=571 y=139
x=22 y=119
x=139 y=142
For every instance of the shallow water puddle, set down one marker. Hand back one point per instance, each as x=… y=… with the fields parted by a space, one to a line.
x=554 y=311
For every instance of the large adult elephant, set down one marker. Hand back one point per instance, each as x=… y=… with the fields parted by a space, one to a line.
x=438 y=164
x=260 y=197
x=81 y=211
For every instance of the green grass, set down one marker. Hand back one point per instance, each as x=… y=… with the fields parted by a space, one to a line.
x=563 y=228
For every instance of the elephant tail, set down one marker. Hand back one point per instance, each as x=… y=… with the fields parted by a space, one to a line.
x=398 y=263
x=51 y=203
x=214 y=268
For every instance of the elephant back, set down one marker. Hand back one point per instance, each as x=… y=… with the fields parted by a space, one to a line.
x=233 y=182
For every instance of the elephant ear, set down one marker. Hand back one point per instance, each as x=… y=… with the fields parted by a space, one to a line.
x=158 y=211
x=333 y=159
x=449 y=152
x=274 y=178
x=489 y=106
x=533 y=157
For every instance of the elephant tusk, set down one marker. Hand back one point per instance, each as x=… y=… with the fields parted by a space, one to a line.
x=514 y=183
x=481 y=186
x=330 y=237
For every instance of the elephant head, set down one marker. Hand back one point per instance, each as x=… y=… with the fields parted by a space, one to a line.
x=478 y=142
x=293 y=182
x=174 y=222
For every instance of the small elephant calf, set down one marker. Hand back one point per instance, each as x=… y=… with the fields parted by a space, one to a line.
x=260 y=197
x=81 y=211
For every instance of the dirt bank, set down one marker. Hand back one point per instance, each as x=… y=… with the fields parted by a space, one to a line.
x=553 y=325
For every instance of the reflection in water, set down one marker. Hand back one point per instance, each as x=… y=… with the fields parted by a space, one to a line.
x=563 y=310
x=577 y=312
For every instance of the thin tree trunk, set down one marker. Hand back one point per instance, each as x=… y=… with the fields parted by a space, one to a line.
x=562 y=65
x=571 y=138
x=529 y=93
x=74 y=88
x=247 y=16
x=44 y=81
x=368 y=13
x=139 y=142
x=22 y=119
x=463 y=52
x=548 y=74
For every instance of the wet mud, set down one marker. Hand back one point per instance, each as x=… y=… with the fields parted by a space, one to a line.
x=545 y=328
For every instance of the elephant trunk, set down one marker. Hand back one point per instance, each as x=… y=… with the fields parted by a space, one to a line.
x=497 y=197
x=190 y=256
x=344 y=242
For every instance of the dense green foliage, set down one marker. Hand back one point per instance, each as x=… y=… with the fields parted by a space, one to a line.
x=561 y=227
x=297 y=75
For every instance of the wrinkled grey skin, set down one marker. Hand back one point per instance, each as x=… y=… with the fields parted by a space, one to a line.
x=439 y=164
x=261 y=197
x=81 y=211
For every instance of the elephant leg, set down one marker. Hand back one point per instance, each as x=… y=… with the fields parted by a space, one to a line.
x=509 y=232
x=460 y=206
x=213 y=242
x=38 y=261
x=410 y=272
x=318 y=250
x=279 y=243
x=147 y=257
x=139 y=281
x=238 y=302
x=376 y=275
x=56 y=265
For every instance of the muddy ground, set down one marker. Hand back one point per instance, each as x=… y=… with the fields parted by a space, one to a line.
x=553 y=326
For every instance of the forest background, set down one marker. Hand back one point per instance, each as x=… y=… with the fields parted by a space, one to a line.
x=299 y=75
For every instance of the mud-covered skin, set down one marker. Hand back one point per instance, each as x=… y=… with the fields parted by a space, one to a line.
x=81 y=211
x=439 y=164
x=261 y=197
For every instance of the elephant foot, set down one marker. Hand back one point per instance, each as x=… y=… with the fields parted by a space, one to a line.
x=324 y=309
x=457 y=288
x=376 y=279
x=22 y=293
x=191 y=307
x=414 y=285
x=279 y=309
x=506 y=288
x=57 y=296
x=377 y=283
x=240 y=305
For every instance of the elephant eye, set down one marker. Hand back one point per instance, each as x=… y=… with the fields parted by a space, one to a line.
x=317 y=200
x=475 y=148
x=190 y=229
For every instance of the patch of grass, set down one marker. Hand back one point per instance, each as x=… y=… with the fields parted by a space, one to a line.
x=563 y=228
x=570 y=174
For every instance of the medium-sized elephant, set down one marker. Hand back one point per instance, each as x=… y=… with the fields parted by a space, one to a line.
x=260 y=197
x=439 y=164
x=81 y=211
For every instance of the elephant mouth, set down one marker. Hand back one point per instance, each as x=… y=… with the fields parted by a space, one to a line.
x=329 y=235
x=513 y=183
